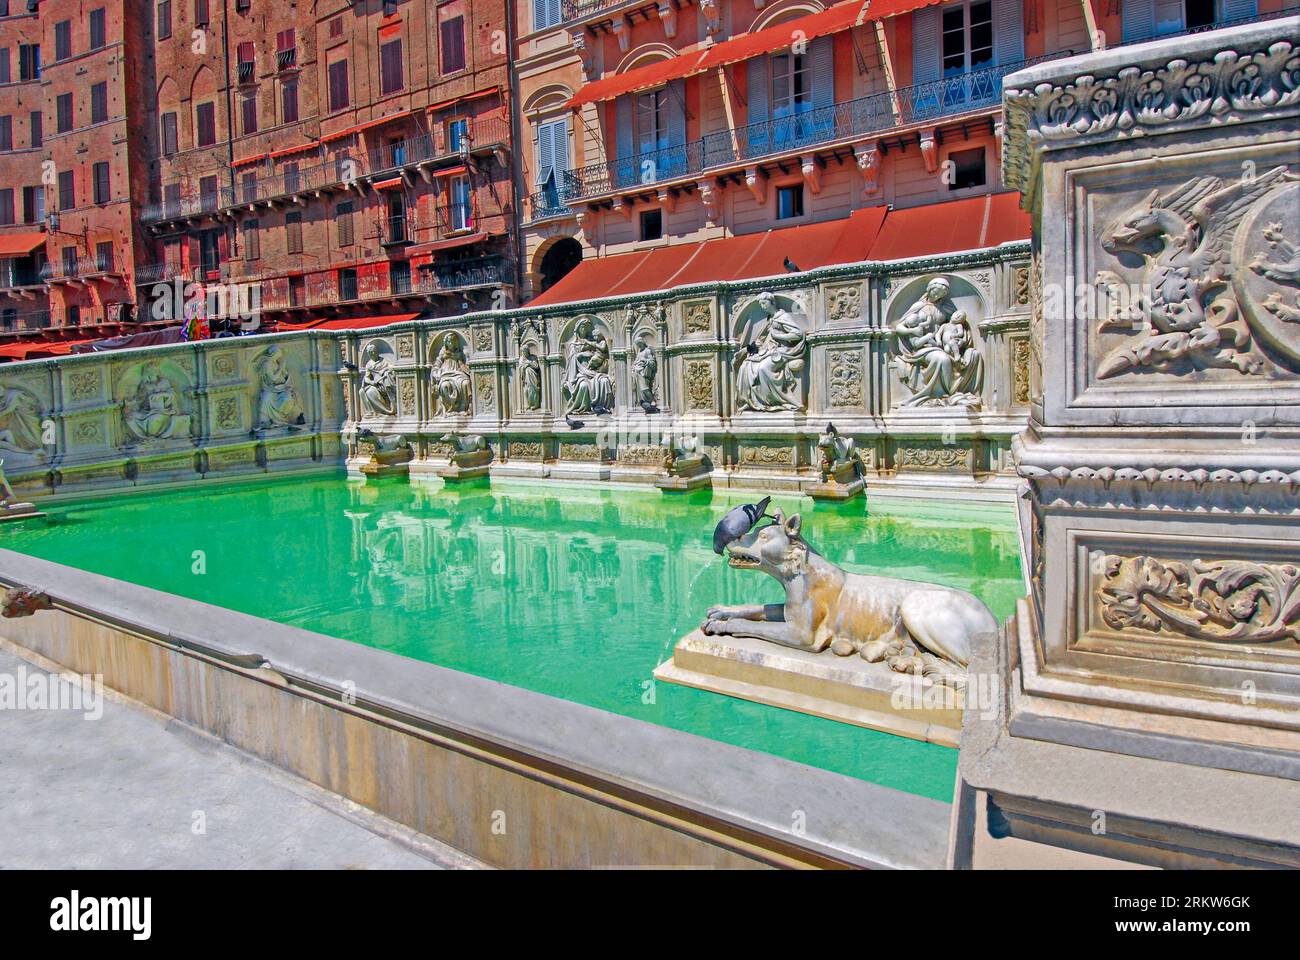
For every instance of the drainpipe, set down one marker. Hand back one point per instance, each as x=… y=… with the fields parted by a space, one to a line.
x=516 y=136
x=230 y=115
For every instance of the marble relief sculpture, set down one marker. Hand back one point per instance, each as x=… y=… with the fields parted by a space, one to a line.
x=153 y=410
x=20 y=420
x=378 y=383
x=644 y=369
x=530 y=374
x=587 y=386
x=451 y=377
x=914 y=627
x=769 y=372
x=935 y=354
x=278 y=404
x=1196 y=310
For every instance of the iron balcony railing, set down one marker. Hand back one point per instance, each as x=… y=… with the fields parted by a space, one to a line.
x=551 y=200
x=256 y=186
x=875 y=113
x=395 y=230
x=486 y=271
x=284 y=59
x=12 y=321
x=579 y=9
x=1216 y=25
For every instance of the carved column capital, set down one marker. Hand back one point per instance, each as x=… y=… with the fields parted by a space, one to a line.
x=668 y=16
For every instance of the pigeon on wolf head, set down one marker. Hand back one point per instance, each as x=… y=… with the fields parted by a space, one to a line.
x=738 y=522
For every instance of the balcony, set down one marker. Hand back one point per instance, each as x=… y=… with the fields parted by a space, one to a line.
x=285 y=59
x=453 y=276
x=550 y=201
x=18 y=321
x=852 y=120
x=571 y=10
x=485 y=133
x=399 y=230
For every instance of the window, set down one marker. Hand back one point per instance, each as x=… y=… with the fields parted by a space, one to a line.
x=6 y=206
x=97 y=28
x=245 y=59
x=168 y=134
x=33 y=204
x=63 y=40
x=74 y=311
x=4 y=65
x=99 y=102
x=458 y=134
x=297 y=291
x=459 y=204
x=210 y=250
x=200 y=13
x=396 y=231
x=172 y=199
x=292 y=181
x=546 y=13
x=451 y=33
x=248 y=186
x=70 y=267
x=967 y=42
x=208 y=193
x=347 y=284
x=966 y=169
x=37 y=125
x=205 y=124
x=242 y=6
x=6 y=133
x=63 y=112
x=164 y=24
x=338 y=84
x=248 y=113
x=104 y=256
x=252 y=243
x=101 y=189
x=390 y=66
x=336 y=27
x=29 y=61
x=399 y=276
x=652 y=224
x=791 y=84
x=343 y=223
x=286 y=49
x=652 y=121
x=293 y=232
x=289 y=101
x=789 y=201
x=67 y=190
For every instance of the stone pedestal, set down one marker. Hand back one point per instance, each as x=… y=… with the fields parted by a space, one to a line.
x=465 y=466
x=840 y=484
x=686 y=473
x=390 y=463
x=19 y=511
x=1150 y=682
x=848 y=689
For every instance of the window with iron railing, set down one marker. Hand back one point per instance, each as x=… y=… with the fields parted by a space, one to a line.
x=347 y=284
x=399 y=277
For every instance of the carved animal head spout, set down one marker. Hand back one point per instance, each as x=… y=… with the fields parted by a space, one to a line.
x=776 y=548
x=1136 y=228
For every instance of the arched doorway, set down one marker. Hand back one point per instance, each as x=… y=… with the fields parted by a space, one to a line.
x=560 y=258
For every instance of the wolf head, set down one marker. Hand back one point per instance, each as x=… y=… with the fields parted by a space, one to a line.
x=777 y=549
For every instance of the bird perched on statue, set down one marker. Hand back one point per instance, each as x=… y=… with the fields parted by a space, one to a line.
x=738 y=522
x=649 y=407
x=349 y=365
x=573 y=424
x=791 y=265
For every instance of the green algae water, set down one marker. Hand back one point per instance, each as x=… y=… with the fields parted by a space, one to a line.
x=577 y=592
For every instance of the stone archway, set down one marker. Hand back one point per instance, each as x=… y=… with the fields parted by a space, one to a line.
x=559 y=259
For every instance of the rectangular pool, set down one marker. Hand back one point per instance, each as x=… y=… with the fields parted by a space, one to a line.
x=571 y=591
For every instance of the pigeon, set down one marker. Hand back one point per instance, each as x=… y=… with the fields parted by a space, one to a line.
x=349 y=365
x=649 y=407
x=600 y=411
x=830 y=429
x=738 y=522
x=573 y=424
x=791 y=265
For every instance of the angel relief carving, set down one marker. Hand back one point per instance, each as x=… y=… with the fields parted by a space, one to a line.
x=1204 y=302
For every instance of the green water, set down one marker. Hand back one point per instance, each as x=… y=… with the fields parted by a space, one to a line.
x=577 y=592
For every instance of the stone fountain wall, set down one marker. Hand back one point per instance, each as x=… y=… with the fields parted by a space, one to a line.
x=187 y=412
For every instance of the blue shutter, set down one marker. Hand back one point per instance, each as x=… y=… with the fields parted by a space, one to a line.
x=821 y=67
x=1238 y=9
x=759 y=111
x=624 y=169
x=1008 y=31
x=1139 y=19
x=927 y=63
x=545 y=153
x=673 y=162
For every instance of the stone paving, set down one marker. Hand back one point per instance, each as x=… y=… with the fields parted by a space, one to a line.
x=134 y=789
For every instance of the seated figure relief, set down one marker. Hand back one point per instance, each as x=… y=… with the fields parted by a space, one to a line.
x=935 y=353
x=378 y=383
x=451 y=377
x=587 y=386
x=769 y=372
x=20 y=420
x=278 y=404
x=153 y=410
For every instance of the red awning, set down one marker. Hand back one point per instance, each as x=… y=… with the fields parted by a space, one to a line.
x=20 y=244
x=390 y=184
x=464 y=240
x=348 y=323
x=835 y=19
x=27 y=349
x=872 y=233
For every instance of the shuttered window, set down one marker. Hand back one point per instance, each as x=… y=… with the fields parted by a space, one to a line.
x=63 y=112
x=67 y=190
x=343 y=223
x=293 y=232
x=252 y=241
x=205 y=124
x=97 y=31
x=338 y=84
x=390 y=66
x=38 y=127
x=552 y=150
x=546 y=13
x=102 y=189
x=289 y=101
x=6 y=133
x=168 y=134
x=98 y=102
x=451 y=33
